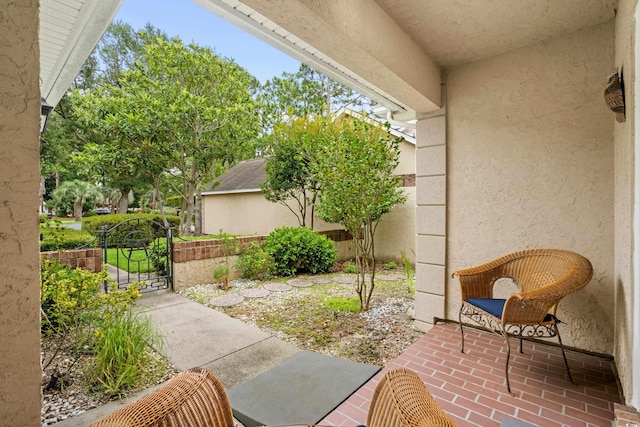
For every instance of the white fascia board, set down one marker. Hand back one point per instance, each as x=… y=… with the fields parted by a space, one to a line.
x=92 y=22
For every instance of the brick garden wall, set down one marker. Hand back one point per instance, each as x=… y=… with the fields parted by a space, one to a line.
x=86 y=259
x=195 y=260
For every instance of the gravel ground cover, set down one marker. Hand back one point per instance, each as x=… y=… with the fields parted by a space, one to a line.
x=299 y=314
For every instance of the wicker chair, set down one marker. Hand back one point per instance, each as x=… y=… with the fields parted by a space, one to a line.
x=194 y=398
x=543 y=276
x=401 y=399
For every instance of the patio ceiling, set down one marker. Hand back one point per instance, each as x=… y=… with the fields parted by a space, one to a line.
x=393 y=50
x=69 y=30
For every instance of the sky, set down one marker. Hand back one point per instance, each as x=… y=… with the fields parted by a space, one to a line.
x=191 y=22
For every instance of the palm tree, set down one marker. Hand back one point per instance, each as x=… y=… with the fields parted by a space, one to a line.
x=81 y=192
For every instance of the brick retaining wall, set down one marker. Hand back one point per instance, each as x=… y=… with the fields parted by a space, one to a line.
x=86 y=259
x=195 y=260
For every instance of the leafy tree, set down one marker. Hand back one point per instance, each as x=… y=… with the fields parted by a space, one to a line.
x=68 y=149
x=355 y=171
x=305 y=93
x=289 y=175
x=182 y=111
x=81 y=192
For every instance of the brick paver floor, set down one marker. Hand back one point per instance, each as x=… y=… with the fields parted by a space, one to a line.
x=471 y=388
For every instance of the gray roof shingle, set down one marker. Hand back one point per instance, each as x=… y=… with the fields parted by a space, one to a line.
x=246 y=175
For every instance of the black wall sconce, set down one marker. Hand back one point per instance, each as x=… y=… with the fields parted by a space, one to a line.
x=45 y=112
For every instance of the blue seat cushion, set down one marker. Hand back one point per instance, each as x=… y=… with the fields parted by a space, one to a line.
x=494 y=306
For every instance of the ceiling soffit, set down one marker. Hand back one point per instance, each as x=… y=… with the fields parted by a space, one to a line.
x=455 y=32
x=353 y=42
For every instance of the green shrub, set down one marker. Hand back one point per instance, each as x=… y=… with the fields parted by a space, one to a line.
x=255 y=263
x=55 y=237
x=158 y=255
x=71 y=298
x=64 y=293
x=128 y=223
x=78 y=319
x=43 y=218
x=390 y=265
x=298 y=250
x=174 y=202
x=349 y=267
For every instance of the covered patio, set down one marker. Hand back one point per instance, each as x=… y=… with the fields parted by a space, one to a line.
x=471 y=389
x=516 y=149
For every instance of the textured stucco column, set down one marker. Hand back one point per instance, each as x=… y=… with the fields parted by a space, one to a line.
x=20 y=371
x=431 y=198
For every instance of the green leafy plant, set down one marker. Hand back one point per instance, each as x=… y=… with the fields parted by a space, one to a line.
x=228 y=245
x=158 y=253
x=298 y=249
x=349 y=267
x=127 y=224
x=221 y=275
x=255 y=263
x=408 y=271
x=390 y=265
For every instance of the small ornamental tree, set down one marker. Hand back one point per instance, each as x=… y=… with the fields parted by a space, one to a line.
x=355 y=171
x=289 y=176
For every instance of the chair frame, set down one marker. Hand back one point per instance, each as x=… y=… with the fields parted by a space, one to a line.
x=544 y=277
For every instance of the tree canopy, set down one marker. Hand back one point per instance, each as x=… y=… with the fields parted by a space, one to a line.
x=182 y=111
x=289 y=168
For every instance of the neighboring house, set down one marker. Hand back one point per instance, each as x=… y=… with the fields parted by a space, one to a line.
x=515 y=147
x=237 y=205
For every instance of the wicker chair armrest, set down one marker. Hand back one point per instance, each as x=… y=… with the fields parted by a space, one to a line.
x=477 y=282
x=523 y=308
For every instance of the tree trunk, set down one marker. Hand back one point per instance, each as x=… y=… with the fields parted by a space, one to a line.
x=198 y=212
x=156 y=191
x=123 y=201
x=77 y=210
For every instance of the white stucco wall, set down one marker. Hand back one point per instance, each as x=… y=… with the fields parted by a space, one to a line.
x=20 y=372
x=530 y=164
x=627 y=179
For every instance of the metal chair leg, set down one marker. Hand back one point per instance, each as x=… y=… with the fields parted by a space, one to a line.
x=564 y=356
x=461 y=330
x=506 y=364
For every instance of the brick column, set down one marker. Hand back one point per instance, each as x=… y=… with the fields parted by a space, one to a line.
x=431 y=199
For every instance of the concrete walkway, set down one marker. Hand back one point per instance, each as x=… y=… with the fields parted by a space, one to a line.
x=200 y=336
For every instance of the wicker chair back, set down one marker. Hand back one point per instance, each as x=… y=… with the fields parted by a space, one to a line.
x=401 y=399
x=194 y=398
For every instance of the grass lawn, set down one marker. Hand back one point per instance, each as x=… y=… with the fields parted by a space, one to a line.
x=138 y=263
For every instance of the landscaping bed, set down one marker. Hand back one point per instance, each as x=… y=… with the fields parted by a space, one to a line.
x=316 y=317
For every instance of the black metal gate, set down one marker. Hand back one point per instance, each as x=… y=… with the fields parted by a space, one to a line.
x=138 y=250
